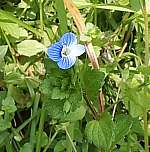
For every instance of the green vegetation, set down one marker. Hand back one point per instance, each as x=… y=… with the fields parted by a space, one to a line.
x=82 y=109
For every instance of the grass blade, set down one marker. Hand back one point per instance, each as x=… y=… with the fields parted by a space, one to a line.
x=61 y=16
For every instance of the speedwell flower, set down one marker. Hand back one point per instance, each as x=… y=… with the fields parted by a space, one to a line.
x=65 y=51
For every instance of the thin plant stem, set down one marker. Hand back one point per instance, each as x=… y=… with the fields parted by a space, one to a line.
x=146 y=37
x=41 y=124
x=41 y=15
x=26 y=122
x=23 y=125
x=50 y=141
x=147 y=58
x=95 y=13
x=115 y=106
x=73 y=146
x=33 y=124
x=89 y=104
x=146 y=131
x=101 y=101
x=9 y=46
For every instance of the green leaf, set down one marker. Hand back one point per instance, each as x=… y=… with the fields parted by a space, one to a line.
x=4 y=124
x=114 y=8
x=14 y=77
x=60 y=146
x=136 y=99
x=54 y=108
x=123 y=2
x=3 y=138
x=75 y=99
x=135 y=5
x=123 y=125
x=78 y=114
x=82 y=3
x=3 y=51
x=137 y=126
x=18 y=95
x=30 y=47
x=8 y=105
x=27 y=147
x=100 y=132
x=57 y=93
x=132 y=100
x=93 y=81
x=7 y=15
x=10 y=28
x=61 y=12
x=66 y=107
x=23 y=4
x=44 y=138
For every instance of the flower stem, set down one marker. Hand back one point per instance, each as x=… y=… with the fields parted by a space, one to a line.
x=73 y=146
x=50 y=141
x=41 y=124
x=9 y=46
x=146 y=131
x=88 y=102
x=33 y=124
x=146 y=38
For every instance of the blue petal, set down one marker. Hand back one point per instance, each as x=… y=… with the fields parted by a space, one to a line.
x=77 y=50
x=54 y=52
x=66 y=62
x=68 y=39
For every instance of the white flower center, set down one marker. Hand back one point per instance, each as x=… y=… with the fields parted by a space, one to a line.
x=65 y=51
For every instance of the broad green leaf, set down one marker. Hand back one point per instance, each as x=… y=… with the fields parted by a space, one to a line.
x=44 y=139
x=4 y=124
x=78 y=114
x=2 y=96
x=14 y=78
x=132 y=98
x=135 y=98
x=145 y=70
x=30 y=47
x=100 y=132
x=7 y=15
x=54 y=108
x=3 y=51
x=78 y=134
x=75 y=99
x=66 y=107
x=137 y=126
x=85 y=147
x=8 y=105
x=123 y=125
x=10 y=28
x=57 y=93
x=93 y=81
x=135 y=5
x=18 y=95
x=3 y=137
x=27 y=147
x=60 y=146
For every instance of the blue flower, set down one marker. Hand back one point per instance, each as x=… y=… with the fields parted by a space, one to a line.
x=65 y=51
